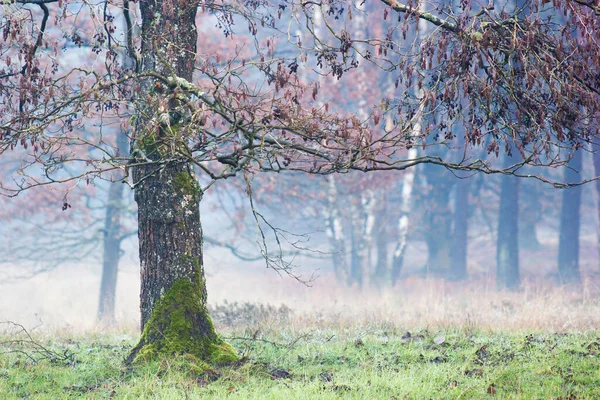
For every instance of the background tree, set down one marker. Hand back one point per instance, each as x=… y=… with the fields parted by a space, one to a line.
x=507 y=250
x=568 y=248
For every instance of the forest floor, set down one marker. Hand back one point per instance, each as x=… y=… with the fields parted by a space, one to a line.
x=286 y=358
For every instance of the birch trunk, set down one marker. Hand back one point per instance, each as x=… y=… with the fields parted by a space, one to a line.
x=408 y=180
x=335 y=232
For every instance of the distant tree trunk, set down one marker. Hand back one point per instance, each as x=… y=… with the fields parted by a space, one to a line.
x=437 y=220
x=356 y=245
x=507 y=251
x=112 y=241
x=362 y=215
x=174 y=319
x=369 y=203
x=404 y=220
x=333 y=216
x=530 y=216
x=381 y=275
x=568 y=247
x=458 y=252
x=406 y=201
x=596 y=156
x=458 y=269
x=335 y=232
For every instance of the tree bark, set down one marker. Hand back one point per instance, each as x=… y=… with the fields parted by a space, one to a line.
x=173 y=287
x=568 y=247
x=507 y=250
x=112 y=241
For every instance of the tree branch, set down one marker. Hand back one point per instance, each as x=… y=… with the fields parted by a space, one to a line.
x=403 y=8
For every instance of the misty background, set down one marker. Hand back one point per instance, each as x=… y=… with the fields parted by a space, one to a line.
x=52 y=264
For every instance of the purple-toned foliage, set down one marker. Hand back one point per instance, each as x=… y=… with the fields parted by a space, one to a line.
x=268 y=85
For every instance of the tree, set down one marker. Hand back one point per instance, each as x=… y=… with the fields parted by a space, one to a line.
x=507 y=247
x=112 y=238
x=596 y=161
x=458 y=265
x=524 y=81
x=568 y=246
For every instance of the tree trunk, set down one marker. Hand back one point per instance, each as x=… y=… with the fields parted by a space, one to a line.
x=458 y=269
x=403 y=221
x=596 y=156
x=409 y=175
x=507 y=250
x=437 y=220
x=112 y=241
x=458 y=253
x=530 y=216
x=381 y=275
x=173 y=288
x=335 y=232
x=568 y=247
x=356 y=245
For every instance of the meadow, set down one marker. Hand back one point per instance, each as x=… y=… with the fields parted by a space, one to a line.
x=287 y=354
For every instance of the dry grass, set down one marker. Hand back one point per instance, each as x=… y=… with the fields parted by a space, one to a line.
x=66 y=300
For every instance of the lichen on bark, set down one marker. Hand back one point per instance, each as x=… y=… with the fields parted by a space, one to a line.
x=180 y=325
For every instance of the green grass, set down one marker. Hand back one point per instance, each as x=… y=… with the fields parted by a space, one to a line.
x=359 y=363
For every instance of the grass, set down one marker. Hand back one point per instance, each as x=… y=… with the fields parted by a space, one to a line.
x=283 y=362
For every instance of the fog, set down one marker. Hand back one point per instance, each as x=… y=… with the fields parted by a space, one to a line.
x=65 y=297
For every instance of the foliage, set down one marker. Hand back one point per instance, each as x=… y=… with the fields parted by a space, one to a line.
x=517 y=79
x=383 y=363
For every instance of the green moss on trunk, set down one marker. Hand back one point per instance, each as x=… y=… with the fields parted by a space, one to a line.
x=180 y=325
x=186 y=184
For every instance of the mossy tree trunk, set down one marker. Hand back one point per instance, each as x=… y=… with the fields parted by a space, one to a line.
x=173 y=289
